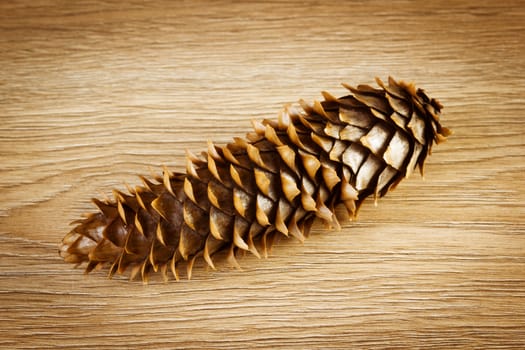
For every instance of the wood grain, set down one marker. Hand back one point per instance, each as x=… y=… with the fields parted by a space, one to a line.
x=94 y=93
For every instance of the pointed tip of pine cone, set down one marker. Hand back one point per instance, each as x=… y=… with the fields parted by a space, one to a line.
x=75 y=248
x=434 y=107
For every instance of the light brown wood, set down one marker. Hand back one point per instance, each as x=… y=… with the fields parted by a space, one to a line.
x=94 y=93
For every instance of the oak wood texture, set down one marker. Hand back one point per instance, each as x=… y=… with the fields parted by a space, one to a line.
x=94 y=93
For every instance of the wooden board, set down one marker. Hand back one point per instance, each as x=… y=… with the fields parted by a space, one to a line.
x=94 y=93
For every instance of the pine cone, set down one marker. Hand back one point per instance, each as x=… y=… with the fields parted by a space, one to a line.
x=286 y=173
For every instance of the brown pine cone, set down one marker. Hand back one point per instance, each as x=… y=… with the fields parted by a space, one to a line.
x=280 y=178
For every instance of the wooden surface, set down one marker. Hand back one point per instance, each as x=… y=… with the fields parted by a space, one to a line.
x=93 y=93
